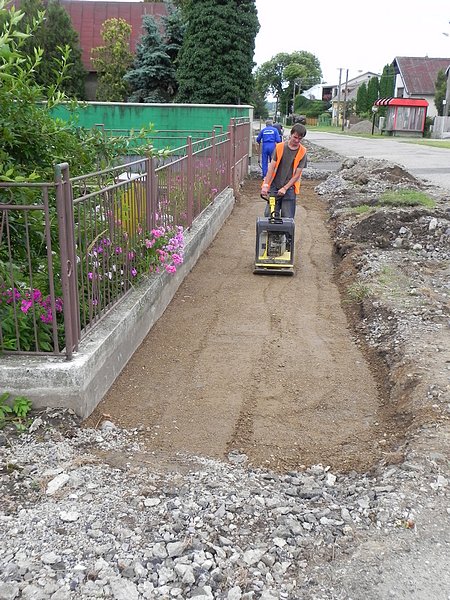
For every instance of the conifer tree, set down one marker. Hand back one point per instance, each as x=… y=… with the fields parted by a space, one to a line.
x=362 y=100
x=152 y=78
x=372 y=91
x=387 y=82
x=216 y=60
x=55 y=32
x=440 y=92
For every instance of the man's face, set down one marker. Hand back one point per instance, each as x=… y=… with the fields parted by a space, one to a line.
x=294 y=141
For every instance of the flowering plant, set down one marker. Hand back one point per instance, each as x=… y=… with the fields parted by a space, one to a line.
x=162 y=249
x=26 y=318
x=114 y=264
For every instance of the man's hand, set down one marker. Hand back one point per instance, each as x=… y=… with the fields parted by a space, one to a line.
x=265 y=189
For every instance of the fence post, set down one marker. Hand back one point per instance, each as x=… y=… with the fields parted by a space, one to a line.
x=230 y=153
x=213 y=162
x=71 y=301
x=190 y=183
x=151 y=193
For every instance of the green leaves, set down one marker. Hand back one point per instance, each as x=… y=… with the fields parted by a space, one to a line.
x=113 y=60
x=216 y=60
x=16 y=413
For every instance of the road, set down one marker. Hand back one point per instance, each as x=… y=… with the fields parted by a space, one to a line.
x=425 y=162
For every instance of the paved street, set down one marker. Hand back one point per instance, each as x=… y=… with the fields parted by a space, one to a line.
x=425 y=162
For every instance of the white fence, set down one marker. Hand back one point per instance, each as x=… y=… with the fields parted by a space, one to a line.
x=441 y=128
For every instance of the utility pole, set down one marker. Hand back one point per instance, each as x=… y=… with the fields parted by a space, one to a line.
x=345 y=101
x=447 y=92
x=339 y=98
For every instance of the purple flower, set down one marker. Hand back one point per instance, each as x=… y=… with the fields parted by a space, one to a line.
x=26 y=305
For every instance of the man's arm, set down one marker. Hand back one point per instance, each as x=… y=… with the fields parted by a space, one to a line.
x=290 y=183
x=265 y=186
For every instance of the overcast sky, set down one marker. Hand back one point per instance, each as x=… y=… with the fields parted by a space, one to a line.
x=345 y=35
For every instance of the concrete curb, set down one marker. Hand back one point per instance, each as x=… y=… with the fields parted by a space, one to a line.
x=81 y=383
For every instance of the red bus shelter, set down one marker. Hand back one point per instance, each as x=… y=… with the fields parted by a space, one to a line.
x=404 y=116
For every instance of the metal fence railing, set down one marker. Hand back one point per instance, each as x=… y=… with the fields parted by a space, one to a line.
x=71 y=249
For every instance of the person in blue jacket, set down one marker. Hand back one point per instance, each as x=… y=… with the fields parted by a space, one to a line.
x=269 y=136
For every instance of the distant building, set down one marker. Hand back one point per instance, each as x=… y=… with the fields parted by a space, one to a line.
x=319 y=91
x=416 y=78
x=347 y=92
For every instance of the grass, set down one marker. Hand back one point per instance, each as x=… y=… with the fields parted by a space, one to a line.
x=392 y=283
x=358 y=291
x=362 y=209
x=406 y=198
x=434 y=143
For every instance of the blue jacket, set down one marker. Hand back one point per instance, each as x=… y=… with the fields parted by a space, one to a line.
x=269 y=135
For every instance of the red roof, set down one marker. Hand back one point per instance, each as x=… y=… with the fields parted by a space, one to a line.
x=419 y=73
x=87 y=19
x=401 y=102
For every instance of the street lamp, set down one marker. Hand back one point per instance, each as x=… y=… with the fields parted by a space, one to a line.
x=374 y=112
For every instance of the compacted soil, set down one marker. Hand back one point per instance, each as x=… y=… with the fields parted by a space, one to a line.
x=266 y=365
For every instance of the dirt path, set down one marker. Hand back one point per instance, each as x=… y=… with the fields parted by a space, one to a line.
x=264 y=365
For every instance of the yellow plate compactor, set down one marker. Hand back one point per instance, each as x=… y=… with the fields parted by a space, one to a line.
x=274 y=243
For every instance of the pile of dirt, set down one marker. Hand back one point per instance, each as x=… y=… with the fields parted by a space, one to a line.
x=394 y=270
x=363 y=127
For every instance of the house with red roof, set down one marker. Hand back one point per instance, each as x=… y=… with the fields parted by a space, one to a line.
x=416 y=78
x=88 y=17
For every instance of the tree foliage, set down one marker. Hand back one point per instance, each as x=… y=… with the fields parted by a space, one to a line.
x=153 y=76
x=174 y=32
x=216 y=60
x=362 y=101
x=372 y=91
x=113 y=60
x=32 y=140
x=258 y=101
x=440 y=92
x=53 y=32
x=278 y=76
x=387 y=82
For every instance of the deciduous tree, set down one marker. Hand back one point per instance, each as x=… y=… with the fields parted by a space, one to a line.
x=278 y=76
x=113 y=60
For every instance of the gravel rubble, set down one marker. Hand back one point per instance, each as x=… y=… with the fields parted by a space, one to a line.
x=73 y=526
x=90 y=513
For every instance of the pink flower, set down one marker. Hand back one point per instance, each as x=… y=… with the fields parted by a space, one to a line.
x=26 y=305
x=47 y=317
x=171 y=268
x=133 y=272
